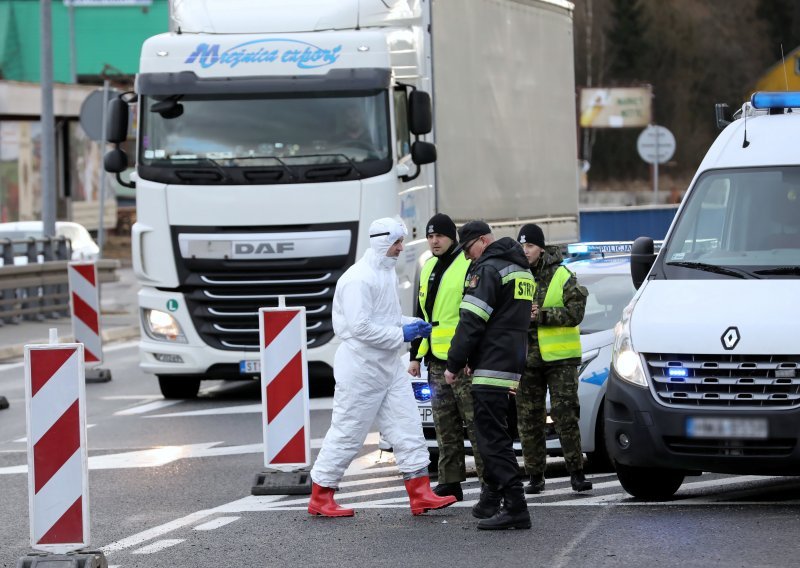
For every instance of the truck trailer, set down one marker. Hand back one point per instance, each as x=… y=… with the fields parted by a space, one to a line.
x=271 y=133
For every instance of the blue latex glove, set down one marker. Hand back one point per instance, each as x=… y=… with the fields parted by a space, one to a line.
x=425 y=329
x=410 y=331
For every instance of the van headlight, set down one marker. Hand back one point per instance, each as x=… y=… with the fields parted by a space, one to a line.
x=626 y=361
x=161 y=326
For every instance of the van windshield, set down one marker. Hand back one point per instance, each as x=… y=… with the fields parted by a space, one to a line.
x=270 y=138
x=746 y=220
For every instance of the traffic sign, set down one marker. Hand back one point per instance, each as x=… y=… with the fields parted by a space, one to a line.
x=91 y=117
x=656 y=144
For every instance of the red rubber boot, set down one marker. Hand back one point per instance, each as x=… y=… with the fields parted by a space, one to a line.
x=322 y=503
x=422 y=498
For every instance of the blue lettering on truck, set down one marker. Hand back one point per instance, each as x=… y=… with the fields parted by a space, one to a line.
x=304 y=55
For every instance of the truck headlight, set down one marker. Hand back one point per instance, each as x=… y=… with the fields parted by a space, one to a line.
x=626 y=361
x=161 y=326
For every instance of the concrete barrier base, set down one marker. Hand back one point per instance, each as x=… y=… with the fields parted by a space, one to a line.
x=98 y=375
x=274 y=482
x=3 y=402
x=79 y=559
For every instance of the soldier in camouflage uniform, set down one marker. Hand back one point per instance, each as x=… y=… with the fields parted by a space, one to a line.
x=440 y=292
x=554 y=354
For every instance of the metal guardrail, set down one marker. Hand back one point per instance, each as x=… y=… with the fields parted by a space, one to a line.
x=40 y=290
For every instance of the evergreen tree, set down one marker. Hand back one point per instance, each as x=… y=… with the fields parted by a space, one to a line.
x=627 y=41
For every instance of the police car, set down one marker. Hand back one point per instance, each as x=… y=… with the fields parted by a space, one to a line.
x=604 y=269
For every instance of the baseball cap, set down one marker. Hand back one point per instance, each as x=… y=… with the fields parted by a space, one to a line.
x=471 y=231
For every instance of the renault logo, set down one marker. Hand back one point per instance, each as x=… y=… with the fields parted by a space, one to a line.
x=730 y=338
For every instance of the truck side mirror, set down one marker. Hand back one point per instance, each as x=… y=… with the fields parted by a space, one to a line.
x=642 y=258
x=117 y=122
x=420 y=113
x=115 y=161
x=423 y=153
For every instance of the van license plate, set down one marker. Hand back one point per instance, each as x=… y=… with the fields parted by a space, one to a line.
x=249 y=367
x=426 y=413
x=741 y=428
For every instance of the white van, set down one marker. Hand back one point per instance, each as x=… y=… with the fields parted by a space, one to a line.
x=706 y=364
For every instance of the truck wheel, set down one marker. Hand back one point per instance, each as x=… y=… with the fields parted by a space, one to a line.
x=599 y=461
x=649 y=483
x=177 y=386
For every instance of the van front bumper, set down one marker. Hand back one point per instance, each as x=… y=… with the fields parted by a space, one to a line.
x=640 y=432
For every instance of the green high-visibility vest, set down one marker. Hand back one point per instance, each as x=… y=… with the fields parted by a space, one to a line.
x=557 y=343
x=445 y=305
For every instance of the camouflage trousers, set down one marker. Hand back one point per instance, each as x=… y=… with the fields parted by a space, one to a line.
x=452 y=410
x=562 y=380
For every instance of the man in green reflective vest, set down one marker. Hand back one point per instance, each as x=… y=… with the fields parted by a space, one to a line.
x=554 y=354
x=441 y=288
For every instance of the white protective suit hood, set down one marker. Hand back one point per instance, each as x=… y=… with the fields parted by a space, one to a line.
x=383 y=233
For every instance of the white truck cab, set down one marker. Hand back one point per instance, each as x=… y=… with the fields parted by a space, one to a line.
x=706 y=364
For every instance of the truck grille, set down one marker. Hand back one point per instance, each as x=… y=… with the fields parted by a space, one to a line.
x=725 y=381
x=223 y=296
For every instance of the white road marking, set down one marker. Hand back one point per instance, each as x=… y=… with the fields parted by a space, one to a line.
x=158 y=546
x=147 y=407
x=161 y=530
x=314 y=404
x=155 y=457
x=216 y=523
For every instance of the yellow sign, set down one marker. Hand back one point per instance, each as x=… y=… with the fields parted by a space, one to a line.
x=621 y=107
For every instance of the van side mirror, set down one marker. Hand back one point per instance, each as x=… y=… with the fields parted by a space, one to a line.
x=642 y=258
x=423 y=153
x=420 y=113
x=117 y=121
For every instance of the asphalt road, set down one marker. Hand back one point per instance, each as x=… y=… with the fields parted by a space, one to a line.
x=170 y=486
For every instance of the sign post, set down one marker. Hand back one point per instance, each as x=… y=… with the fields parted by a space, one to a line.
x=656 y=145
x=285 y=406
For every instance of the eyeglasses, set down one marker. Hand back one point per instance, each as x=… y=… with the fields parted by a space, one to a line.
x=469 y=246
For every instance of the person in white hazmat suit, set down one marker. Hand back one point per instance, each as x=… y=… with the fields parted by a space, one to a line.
x=372 y=384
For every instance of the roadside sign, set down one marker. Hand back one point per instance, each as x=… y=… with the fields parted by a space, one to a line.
x=91 y=117
x=656 y=144
x=618 y=107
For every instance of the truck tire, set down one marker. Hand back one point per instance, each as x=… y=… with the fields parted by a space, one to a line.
x=177 y=386
x=649 y=483
x=599 y=461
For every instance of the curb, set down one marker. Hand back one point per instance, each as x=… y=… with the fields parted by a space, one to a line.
x=109 y=336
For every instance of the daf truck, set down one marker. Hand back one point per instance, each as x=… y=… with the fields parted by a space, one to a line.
x=705 y=373
x=271 y=133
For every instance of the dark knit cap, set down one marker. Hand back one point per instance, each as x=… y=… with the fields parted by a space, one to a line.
x=531 y=233
x=442 y=224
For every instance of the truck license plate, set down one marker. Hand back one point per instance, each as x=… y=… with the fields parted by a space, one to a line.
x=426 y=413
x=249 y=367
x=750 y=428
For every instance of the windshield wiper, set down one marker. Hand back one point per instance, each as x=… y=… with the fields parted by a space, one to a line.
x=794 y=270
x=726 y=270
x=213 y=163
x=345 y=156
x=281 y=162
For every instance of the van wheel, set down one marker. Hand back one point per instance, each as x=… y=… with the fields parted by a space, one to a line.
x=178 y=386
x=599 y=461
x=649 y=483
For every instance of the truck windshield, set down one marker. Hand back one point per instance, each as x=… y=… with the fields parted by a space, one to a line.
x=264 y=139
x=743 y=220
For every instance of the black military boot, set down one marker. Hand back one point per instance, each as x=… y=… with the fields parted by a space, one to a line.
x=579 y=482
x=488 y=504
x=512 y=515
x=447 y=489
x=536 y=485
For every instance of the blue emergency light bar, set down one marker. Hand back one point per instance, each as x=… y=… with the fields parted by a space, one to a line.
x=767 y=100
x=589 y=248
